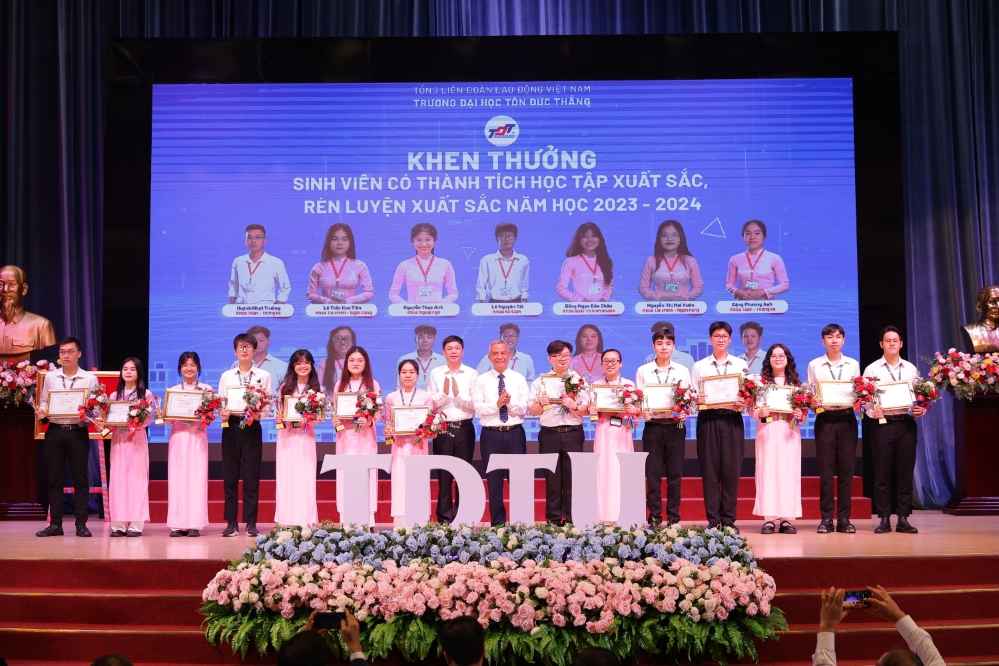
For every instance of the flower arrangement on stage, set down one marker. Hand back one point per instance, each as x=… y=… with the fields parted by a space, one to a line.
x=631 y=397
x=138 y=413
x=865 y=391
x=964 y=374
x=19 y=380
x=95 y=408
x=434 y=425
x=257 y=400
x=684 y=398
x=574 y=385
x=211 y=404
x=312 y=407
x=368 y=404
x=803 y=397
x=752 y=388
x=926 y=393
x=542 y=593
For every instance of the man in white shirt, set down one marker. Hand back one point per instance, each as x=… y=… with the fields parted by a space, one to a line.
x=503 y=275
x=721 y=433
x=893 y=444
x=450 y=386
x=681 y=357
x=835 y=433
x=242 y=448
x=254 y=276
x=752 y=335
x=561 y=433
x=425 y=356
x=500 y=399
x=264 y=360
x=66 y=438
x=662 y=438
x=882 y=605
x=519 y=361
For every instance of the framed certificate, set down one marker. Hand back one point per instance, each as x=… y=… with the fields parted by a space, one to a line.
x=117 y=413
x=607 y=397
x=720 y=392
x=836 y=393
x=897 y=397
x=552 y=386
x=182 y=405
x=234 y=399
x=345 y=405
x=406 y=419
x=65 y=402
x=293 y=415
x=659 y=397
x=777 y=399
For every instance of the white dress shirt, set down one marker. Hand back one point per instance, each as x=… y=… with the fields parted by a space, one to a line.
x=917 y=639
x=756 y=365
x=822 y=369
x=902 y=372
x=712 y=367
x=458 y=408
x=672 y=373
x=519 y=362
x=681 y=357
x=485 y=393
x=436 y=360
x=556 y=417
x=57 y=379
x=268 y=274
x=492 y=285
x=234 y=377
x=274 y=366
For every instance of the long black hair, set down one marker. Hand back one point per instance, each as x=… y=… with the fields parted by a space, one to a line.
x=290 y=383
x=790 y=372
x=140 y=379
x=330 y=368
x=681 y=250
x=603 y=258
x=367 y=380
x=339 y=226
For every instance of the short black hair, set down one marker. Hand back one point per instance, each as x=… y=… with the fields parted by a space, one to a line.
x=715 y=325
x=659 y=325
x=253 y=330
x=663 y=333
x=306 y=648
x=555 y=346
x=504 y=327
x=244 y=337
x=900 y=656
x=753 y=325
x=889 y=329
x=463 y=639
x=70 y=340
x=425 y=328
x=829 y=329
x=596 y=656
x=608 y=351
x=504 y=227
x=452 y=338
x=112 y=660
x=189 y=356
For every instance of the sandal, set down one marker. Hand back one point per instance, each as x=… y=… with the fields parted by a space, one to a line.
x=768 y=527
x=787 y=528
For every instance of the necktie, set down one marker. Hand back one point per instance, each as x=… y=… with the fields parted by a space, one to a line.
x=504 y=412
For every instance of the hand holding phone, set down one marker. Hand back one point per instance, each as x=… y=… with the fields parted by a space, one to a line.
x=856 y=599
x=328 y=620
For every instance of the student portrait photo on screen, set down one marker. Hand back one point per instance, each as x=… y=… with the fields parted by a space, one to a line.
x=589 y=347
x=756 y=273
x=425 y=276
x=255 y=276
x=339 y=277
x=588 y=272
x=330 y=369
x=671 y=273
x=503 y=275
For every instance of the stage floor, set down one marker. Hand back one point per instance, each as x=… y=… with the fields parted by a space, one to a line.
x=939 y=535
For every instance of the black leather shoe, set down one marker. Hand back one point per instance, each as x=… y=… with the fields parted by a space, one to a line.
x=768 y=527
x=82 y=531
x=251 y=530
x=787 y=528
x=825 y=527
x=117 y=533
x=193 y=533
x=178 y=533
x=884 y=527
x=846 y=527
x=133 y=533
x=51 y=530
x=904 y=527
x=232 y=529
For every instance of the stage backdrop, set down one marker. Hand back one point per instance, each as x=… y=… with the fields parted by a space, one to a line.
x=547 y=156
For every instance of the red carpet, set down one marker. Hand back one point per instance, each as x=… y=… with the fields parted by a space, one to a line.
x=147 y=610
x=692 y=505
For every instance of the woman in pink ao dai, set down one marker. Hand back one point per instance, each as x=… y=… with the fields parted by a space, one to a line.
x=295 y=455
x=128 y=486
x=187 y=461
x=778 y=450
x=405 y=445
x=359 y=441
x=613 y=434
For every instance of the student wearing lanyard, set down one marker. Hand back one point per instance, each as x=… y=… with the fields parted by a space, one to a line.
x=835 y=433
x=671 y=273
x=128 y=485
x=590 y=346
x=561 y=433
x=242 y=448
x=451 y=388
x=751 y=334
x=330 y=369
x=339 y=277
x=756 y=273
x=66 y=439
x=611 y=436
x=407 y=395
x=721 y=433
x=262 y=359
x=588 y=273
x=503 y=275
x=359 y=440
x=519 y=361
x=893 y=444
x=425 y=357
x=500 y=398
x=662 y=438
x=254 y=276
x=678 y=356
x=426 y=276
x=295 y=452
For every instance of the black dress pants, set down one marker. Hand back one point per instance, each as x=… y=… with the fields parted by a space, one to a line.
x=242 y=449
x=462 y=445
x=721 y=446
x=72 y=445
x=558 y=484
x=836 y=453
x=893 y=447
x=664 y=442
x=512 y=440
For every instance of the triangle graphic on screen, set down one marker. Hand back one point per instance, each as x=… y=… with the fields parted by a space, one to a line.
x=469 y=251
x=714 y=229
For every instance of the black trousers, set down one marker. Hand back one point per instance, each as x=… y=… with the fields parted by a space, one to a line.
x=664 y=442
x=836 y=453
x=462 y=445
x=495 y=441
x=72 y=445
x=721 y=447
x=893 y=447
x=242 y=449
x=558 y=484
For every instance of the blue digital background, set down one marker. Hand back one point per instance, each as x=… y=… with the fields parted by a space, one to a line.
x=224 y=156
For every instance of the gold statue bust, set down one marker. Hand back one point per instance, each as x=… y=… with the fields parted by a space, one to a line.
x=21 y=332
x=983 y=335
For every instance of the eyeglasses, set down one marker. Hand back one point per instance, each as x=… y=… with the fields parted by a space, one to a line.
x=68 y=352
x=244 y=348
x=510 y=336
x=670 y=236
x=506 y=236
x=561 y=357
x=721 y=337
x=611 y=361
x=340 y=339
x=255 y=237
